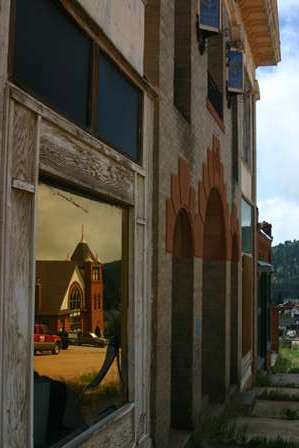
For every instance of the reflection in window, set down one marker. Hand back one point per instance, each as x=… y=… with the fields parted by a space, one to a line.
x=247 y=222
x=80 y=353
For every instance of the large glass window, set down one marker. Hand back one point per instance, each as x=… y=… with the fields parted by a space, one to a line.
x=247 y=223
x=53 y=60
x=52 y=57
x=80 y=347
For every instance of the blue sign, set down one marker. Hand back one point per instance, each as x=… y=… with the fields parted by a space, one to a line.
x=235 y=70
x=210 y=15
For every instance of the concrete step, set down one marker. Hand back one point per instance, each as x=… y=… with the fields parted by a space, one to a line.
x=276 y=409
x=285 y=392
x=283 y=379
x=271 y=429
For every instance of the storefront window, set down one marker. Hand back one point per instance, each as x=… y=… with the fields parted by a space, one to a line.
x=80 y=349
x=247 y=221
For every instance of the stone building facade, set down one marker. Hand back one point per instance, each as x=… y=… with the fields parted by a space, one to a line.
x=140 y=134
x=204 y=206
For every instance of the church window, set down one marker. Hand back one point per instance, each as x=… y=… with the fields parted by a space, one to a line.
x=75 y=300
x=96 y=273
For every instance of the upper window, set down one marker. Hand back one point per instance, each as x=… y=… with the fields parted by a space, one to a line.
x=52 y=57
x=216 y=73
x=118 y=109
x=247 y=224
x=182 y=57
x=53 y=61
x=96 y=273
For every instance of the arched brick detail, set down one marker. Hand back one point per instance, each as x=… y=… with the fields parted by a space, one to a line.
x=213 y=178
x=183 y=197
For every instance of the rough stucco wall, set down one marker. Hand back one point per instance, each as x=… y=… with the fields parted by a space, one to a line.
x=123 y=23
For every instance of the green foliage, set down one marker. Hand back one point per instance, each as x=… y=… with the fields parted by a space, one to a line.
x=218 y=430
x=285 y=259
x=287 y=362
x=262 y=380
x=291 y=414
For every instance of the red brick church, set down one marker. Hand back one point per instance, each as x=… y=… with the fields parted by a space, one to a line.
x=69 y=293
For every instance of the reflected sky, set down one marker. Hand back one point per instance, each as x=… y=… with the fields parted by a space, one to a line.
x=63 y=215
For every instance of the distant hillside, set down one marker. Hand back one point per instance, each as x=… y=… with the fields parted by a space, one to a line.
x=286 y=265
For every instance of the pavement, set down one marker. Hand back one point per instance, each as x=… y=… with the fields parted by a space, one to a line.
x=71 y=364
x=278 y=417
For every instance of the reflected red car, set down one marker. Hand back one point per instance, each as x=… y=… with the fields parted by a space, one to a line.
x=44 y=341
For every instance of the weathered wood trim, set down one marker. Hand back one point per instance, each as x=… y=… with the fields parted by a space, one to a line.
x=67 y=159
x=18 y=184
x=5 y=157
x=84 y=438
x=4 y=52
x=22 y=144
x=41 y=141
x=75 y=131
x=149 y=116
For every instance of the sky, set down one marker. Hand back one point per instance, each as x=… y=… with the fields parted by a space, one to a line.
x=60 y=218
x=278 y=132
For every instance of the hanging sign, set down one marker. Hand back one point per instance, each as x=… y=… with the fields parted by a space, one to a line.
x=235 y=81
x=210 y=15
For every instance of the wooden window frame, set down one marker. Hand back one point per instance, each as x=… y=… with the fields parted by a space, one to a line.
x=40 y=144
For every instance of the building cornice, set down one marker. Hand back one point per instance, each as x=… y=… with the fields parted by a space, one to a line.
x=260 y=19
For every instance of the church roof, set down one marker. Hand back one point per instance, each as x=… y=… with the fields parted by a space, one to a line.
x=82 y=253
x=54 y=278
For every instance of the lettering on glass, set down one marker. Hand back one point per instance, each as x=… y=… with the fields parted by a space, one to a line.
x=210 y=15
x=235 y=71
x=80 y=351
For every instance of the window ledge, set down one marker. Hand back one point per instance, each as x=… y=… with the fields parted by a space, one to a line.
x=100 y=426
x=215 y=115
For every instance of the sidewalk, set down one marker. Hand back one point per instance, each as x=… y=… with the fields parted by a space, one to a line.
x=267 y=417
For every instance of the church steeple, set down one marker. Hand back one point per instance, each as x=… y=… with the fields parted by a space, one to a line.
x=82 y=234
x=82 y=252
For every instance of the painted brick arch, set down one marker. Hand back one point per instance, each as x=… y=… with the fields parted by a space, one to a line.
x=183 y=196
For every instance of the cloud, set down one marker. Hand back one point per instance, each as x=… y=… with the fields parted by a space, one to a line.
x=283 y=215
x=277 y=130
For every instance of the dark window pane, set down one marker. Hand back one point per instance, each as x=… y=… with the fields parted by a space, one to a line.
x=118 y=109
x=52 y=57
x=80 y=338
